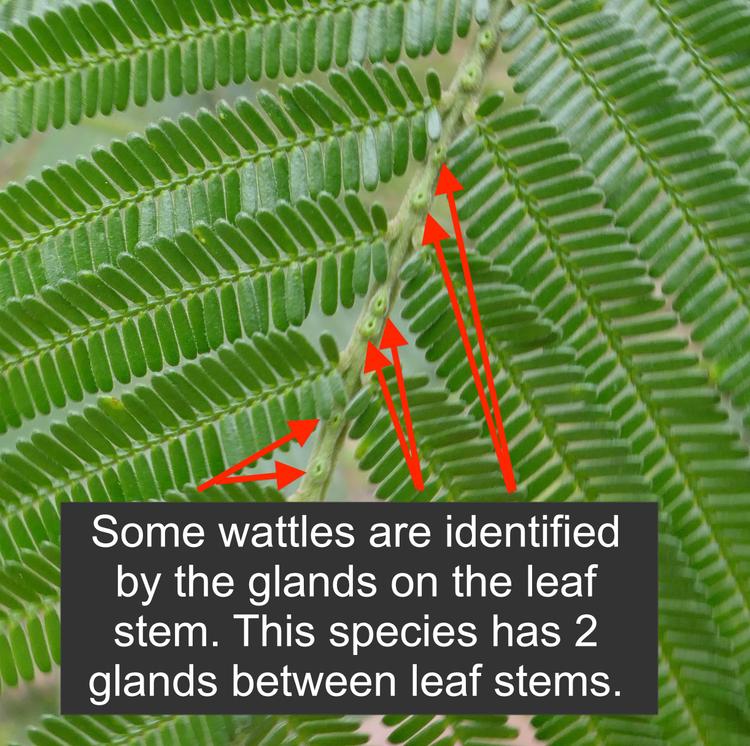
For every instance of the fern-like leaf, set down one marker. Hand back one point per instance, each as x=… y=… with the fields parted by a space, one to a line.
x=211 y=167
x=29 y=615
x=426 y=730
x=699 y=44
x=181 y=429
x=97 y=58
x=325 y=730
x=538 y=386
x=700 y=700
x=153 y=295
x=625 y=344
x=30 y=592
x=134 y=730
x=175 y=299
x=677 y=194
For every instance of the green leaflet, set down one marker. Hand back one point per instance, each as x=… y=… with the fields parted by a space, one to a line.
x=243 y=158
x=97 y=58
x=29 y=617
x=129 y=730
x=300 y=730
x=180 y=429
x=173 y=300
x=677 y=194
x=256 y=730
x=237 y=492
x=428 y=730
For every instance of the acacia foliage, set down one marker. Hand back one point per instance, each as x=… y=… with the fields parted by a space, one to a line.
x=156 y=296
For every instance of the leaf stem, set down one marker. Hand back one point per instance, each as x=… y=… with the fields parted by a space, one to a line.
x=465 y=87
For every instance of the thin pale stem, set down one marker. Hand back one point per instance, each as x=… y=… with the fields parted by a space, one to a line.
x=463 y=90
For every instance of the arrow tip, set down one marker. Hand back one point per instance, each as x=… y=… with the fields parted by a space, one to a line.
x=392 y=337
x=447 y=183
x=302 y=429
x=286 y=474
x=375 y=359
x=433 y=232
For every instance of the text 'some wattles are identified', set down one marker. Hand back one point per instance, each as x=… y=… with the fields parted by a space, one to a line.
x=298 y=532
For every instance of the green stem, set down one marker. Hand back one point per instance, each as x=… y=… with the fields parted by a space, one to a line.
x=464 y=88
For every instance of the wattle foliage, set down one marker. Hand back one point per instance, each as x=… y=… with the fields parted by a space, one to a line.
x=158 y=298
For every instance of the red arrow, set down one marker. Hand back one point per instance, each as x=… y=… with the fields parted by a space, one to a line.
x=376 y=361
x=393 y=339
x=434 y=234
x=283 y=475
x=299 y=430
x=448 y=184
